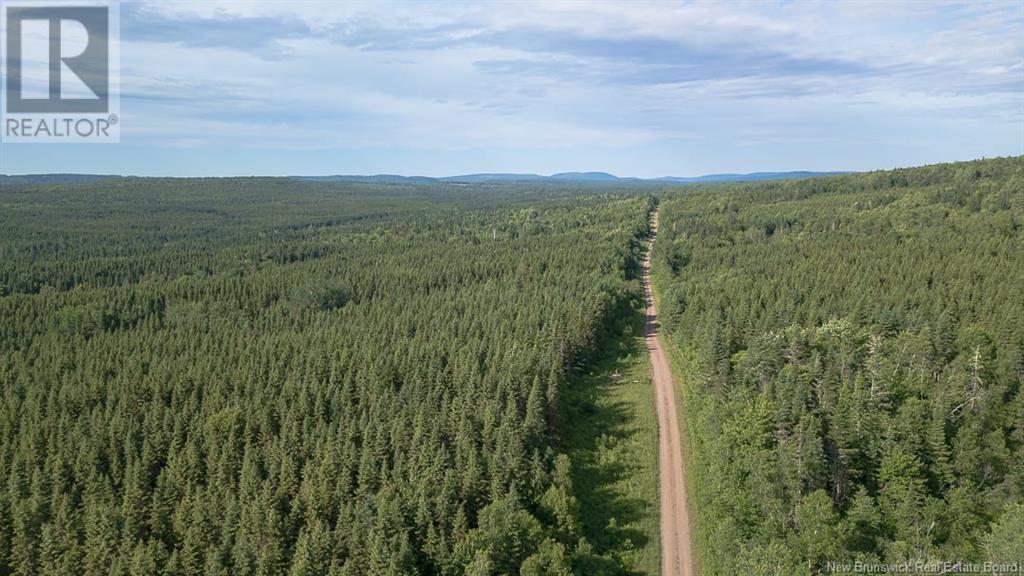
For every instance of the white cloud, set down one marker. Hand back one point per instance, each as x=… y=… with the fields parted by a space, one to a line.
x=759 y=70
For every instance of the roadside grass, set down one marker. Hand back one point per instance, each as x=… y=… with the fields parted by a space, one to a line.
x=612 y=437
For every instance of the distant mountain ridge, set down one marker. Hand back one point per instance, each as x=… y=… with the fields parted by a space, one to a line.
x=23 y=179
x=751 y=177
x=587 y=177
x=480 y=178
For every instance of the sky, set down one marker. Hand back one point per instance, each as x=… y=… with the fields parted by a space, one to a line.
x=220 y=88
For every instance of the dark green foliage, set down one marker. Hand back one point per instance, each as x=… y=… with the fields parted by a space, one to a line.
x=853 y=346
x=323 y=297
x=260 y=376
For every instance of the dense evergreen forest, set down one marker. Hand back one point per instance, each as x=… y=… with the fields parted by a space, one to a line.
x=271 y=377
x=852 y=355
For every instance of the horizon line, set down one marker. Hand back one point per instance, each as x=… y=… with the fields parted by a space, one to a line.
x=505 y=173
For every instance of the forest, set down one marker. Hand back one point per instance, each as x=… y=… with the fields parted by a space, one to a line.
x=274 y=377
x=270 y=376
x=851 y=355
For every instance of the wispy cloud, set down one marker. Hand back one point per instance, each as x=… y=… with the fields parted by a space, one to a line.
x=644 y=88
x=253 y=34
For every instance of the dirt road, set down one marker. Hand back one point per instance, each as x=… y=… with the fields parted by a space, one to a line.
x=675 y=520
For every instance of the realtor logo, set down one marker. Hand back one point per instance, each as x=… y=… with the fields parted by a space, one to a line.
x=60 y=72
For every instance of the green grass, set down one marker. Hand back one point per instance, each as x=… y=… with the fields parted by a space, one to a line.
x=612 y=437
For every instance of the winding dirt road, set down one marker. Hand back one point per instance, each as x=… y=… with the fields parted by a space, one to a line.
x=675 y=520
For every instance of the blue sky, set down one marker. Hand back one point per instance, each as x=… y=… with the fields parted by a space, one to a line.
x=637 y=89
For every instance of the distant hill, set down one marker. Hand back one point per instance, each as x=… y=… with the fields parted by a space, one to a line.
x=751 y=177
x=583 y=177
x=470 y=178
x=588 y=177
x=30 y=179
x=496 y=177
x=376 y=178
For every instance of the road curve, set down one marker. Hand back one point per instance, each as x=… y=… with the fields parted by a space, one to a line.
x=675 y=519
